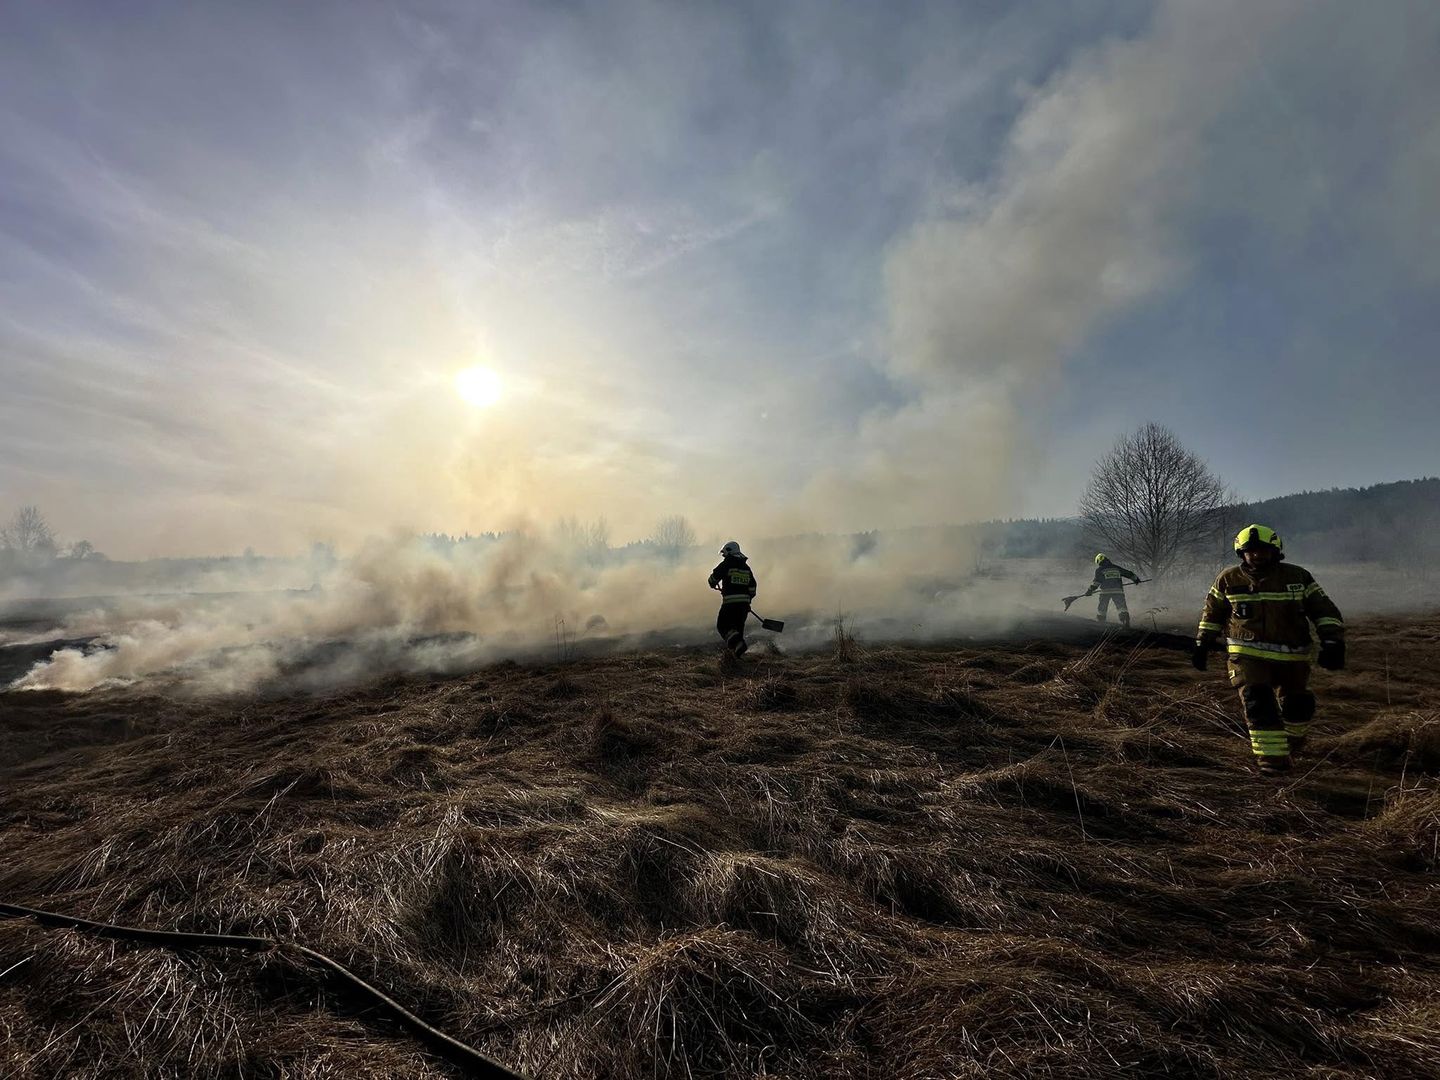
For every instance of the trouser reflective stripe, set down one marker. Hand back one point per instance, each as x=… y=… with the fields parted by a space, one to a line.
x=1273 y=722
x=1267 y=743
x=1297 y=708
x=1262 y=716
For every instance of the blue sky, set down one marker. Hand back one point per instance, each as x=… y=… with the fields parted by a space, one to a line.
x=776 y=267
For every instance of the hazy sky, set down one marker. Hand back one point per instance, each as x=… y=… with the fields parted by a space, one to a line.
x=778 y=267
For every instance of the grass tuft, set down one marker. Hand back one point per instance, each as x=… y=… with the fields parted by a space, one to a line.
x=914 y=862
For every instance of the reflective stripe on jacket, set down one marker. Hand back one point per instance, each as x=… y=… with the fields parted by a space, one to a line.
x=1267 y=614
x=735 y=579
x=1108 y=578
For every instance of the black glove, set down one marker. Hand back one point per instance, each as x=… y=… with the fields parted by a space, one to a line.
x=1332 y=655
x=1200 y=655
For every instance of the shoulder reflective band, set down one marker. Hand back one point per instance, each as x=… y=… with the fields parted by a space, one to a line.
x=1216 y=593
x=1313 y=589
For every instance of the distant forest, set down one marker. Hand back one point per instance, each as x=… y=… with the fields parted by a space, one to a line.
x=1391 y=523
x=1394 y=524
x=1388 y=523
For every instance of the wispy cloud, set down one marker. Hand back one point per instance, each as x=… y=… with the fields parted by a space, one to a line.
x=787 y=267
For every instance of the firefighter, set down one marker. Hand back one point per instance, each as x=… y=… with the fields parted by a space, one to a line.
x=736 y=583
x=1112 y=590
x=1264 y=607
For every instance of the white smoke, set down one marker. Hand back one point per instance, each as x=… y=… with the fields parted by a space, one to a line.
x=1091 y=211
x=404 y=605
x=991 y=294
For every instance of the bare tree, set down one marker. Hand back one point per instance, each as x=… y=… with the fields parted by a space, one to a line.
x=589 y=541
x=597 y=541
x=1152 y=502
x=673 y=535
x=29 y=535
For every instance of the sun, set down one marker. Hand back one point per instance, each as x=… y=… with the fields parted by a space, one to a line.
x=479 y=386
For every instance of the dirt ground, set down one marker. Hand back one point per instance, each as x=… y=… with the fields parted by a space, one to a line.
x=1033 y=858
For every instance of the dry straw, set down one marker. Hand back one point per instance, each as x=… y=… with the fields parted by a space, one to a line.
x=1030 y=860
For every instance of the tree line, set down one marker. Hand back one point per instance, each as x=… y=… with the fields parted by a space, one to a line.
x=589 y=541
x=27 y=541
x=1150 y=502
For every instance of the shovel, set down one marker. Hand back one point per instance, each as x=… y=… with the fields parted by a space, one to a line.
x=1068 y=600
x=773 y=625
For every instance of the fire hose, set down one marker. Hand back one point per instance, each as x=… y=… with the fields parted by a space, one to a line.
x=467 y=1058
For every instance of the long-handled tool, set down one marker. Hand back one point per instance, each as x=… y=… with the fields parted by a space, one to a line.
x=1068 y=600
x=774 y=625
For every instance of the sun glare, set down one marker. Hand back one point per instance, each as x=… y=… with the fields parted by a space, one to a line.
x=479 y=386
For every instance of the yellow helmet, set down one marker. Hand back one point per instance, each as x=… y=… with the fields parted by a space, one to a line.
x=1255 y=535
x=1102 y=557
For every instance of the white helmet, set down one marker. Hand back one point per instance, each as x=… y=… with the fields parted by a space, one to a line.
x=732 y=550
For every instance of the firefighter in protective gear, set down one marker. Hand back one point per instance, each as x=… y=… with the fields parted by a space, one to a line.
x=1112 y=589
x=736 y=583
x=1263 y=608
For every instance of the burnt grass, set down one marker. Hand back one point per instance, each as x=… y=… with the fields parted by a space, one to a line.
x=1027 y=860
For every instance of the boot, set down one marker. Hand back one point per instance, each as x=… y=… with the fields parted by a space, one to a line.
x=1271 y=765
x=1125 y=619
x=1268 y=741
x=1297 y=709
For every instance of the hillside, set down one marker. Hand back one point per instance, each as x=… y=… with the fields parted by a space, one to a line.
x=1025 y=859
x=1397 y=523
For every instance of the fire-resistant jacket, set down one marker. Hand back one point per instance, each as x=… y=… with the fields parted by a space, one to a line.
x=1267 y=613
x=736 y=581
x=1107 y=578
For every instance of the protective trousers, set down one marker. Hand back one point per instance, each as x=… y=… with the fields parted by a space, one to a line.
x=1276 y=726
x=1118 y=599
x=730 y=624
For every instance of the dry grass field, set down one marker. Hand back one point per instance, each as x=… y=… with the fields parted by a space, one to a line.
x=1026 y=859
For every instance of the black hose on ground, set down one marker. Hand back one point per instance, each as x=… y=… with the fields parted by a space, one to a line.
x=453 y=1050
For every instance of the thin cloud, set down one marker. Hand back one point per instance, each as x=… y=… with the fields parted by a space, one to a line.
x=774 y=268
